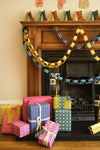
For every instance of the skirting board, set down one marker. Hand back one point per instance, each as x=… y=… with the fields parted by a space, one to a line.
x=2 y=102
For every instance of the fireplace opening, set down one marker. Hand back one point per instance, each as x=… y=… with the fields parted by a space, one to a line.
x=80 y=65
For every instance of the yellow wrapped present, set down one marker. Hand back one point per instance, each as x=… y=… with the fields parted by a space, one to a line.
x=62 y=102
x=94 y=128
x=12 y=109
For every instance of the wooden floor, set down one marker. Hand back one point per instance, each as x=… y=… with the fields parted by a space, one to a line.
x=8 y=142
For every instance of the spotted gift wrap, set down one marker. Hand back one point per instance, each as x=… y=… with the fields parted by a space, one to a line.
x=61 y=102
x=20 y=128
x=63 y=117
x=47 y=138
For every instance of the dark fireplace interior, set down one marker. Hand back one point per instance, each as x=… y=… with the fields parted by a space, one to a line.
x=80 y=65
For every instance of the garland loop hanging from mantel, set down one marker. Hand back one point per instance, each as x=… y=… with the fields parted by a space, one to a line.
x=32 y=52
x=29 y=48
x=87 y=44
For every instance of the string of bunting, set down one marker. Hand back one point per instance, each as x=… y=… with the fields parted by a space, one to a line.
x=57 y=77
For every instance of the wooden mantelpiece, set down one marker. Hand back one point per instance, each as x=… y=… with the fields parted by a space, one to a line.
x=60 y=23
x=42 y=35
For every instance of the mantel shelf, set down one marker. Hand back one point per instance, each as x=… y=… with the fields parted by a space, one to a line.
x=61 y=23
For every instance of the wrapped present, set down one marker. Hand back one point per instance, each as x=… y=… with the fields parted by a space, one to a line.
x=6 y=128
x=13 y=109
x=95 y=128
x=20 y=128
x=38 y=114
x=34 y=100
x=47 y=138
x=63 y=117
x=61 y=102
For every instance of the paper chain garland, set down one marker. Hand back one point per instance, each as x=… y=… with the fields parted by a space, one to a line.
x=85 y=38
x=93 y=41
x=57 y=77
x=31 y=51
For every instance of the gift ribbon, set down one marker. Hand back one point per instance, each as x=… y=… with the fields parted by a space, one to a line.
x=10 y=116
x=46 y=139
x=38 y=119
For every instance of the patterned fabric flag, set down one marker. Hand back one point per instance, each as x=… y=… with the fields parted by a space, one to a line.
x=39 y=3
x=61 y=4
x=84 y=3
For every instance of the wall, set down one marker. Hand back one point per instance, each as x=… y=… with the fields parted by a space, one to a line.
x=13 y=59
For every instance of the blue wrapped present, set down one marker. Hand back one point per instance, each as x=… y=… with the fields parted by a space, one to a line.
x=38 y=114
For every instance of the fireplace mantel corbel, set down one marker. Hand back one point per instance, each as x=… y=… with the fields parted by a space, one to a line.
x=42 y=35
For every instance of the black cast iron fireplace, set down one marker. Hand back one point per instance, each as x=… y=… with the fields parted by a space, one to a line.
x=83 y=94
x=80 y=65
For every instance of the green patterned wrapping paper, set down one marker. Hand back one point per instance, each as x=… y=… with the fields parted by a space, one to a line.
x=63 y=117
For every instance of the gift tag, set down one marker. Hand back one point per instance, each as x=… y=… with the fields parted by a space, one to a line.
x=39 y=133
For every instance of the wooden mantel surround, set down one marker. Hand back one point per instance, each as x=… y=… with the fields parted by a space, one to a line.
x=43 y=37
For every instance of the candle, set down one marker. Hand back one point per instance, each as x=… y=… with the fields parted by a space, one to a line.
x=56 y=91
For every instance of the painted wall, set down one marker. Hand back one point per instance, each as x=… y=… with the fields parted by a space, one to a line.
x=13 y=60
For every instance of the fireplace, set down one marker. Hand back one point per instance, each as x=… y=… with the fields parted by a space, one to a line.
x=46 y=42
x=80 y=65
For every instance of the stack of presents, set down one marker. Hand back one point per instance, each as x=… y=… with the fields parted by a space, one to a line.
x=42 y=116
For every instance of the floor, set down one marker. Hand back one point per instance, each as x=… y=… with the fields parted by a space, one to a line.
x=9 y=142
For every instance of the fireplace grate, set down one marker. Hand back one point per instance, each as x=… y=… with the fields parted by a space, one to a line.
x=87 y=108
